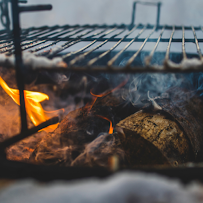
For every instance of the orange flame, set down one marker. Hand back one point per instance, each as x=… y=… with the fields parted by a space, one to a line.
x=111 y=125
x=32 y=103
x=106 y=93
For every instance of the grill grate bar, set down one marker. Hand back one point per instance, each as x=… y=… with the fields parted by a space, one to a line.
x=82 y=56
x=31 y=40
x=110 y=63
x=183 y=43
x=93 y=42
x=38 y=32
x=169 y=44
x=92 y=61
x=149 y=58
x=52 y=43
x=197 y=43
x=44 y=41
x=141 y=47
x=65 y=31
x=70 y=43
x=72 y=35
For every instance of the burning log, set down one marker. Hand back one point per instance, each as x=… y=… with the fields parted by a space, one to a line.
x=78 y=132
x=100 y=151
x=151 y=138
x=68 y=141
x=175 y=130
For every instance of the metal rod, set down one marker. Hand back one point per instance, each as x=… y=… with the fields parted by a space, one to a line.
x=158 y=4
x=80 y=50
x=183 y=43
x=149 y=58
x=91 y=62
x=192 y=40
x=169 y=44
x=28 y=133
x=135 y=55
x=52 y=43
x=197 y=43
x=22 y=1
x=40 y=42
x=110 y=63
x=132 y=69
x=158 y=14
x=67 y=44
x=133 y=14
x=147 y=3
x=35 y=8
x=82 y=56
x=19 y=63
x=79 y=39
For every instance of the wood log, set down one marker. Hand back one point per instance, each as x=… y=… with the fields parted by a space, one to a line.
x=68 y=141
x=77 y=129
x=100 y=151
x=151 y=138
x=186 y=107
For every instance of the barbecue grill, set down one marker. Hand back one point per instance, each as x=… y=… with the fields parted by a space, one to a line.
x=90 y=57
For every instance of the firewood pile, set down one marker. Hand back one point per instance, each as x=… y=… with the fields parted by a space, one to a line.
x=161 y=132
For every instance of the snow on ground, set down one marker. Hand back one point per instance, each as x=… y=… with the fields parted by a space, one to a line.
x=121 y=188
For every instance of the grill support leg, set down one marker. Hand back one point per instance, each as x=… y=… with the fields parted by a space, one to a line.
x=19 y=62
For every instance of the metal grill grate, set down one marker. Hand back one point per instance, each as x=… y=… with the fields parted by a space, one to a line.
x=103 y=47
x=96 y=48
x=93 y=39
x=92 y=48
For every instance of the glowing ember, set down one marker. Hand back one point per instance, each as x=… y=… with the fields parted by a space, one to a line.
x=32 y=103
x=106 y=93
x=111 y=126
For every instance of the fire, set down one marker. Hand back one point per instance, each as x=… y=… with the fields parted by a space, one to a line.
x=32 y=103
x=111 y=125
x=106 y=93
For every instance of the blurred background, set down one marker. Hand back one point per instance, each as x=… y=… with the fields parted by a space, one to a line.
x=179 y=12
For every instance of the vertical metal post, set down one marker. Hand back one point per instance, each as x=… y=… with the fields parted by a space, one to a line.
x=19 y=62
x=158 y=14
x=133 y=14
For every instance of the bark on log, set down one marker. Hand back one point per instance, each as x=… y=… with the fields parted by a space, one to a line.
x=150 y=138
x=187 y=109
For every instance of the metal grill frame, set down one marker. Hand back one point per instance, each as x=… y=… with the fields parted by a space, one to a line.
x=61 y=173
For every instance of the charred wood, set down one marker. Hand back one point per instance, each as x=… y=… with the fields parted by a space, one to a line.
x=100 y=151
x=186 y=108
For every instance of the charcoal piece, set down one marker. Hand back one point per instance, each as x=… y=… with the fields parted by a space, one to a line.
x=99 y=152
x=77 y=129
x=186 y=107
x=150 y=138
